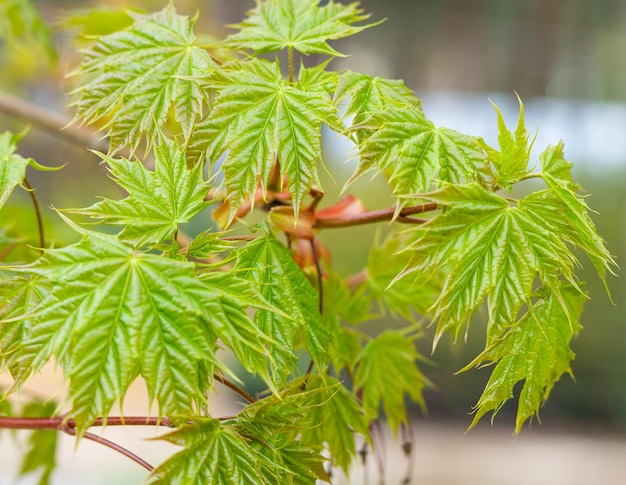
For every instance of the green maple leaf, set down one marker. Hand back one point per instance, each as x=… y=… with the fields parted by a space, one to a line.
x=135 y=76
x=107 y=306
x=335 y=417
x=386 y=371
x=158 y=201
x=257 y=119
x=511 y=162
x=493 y=250
x=270 y=265
x=417 y=154
x=554 y=163
x=12 y=165
x=404 y=297
x=534 y=350
x=18 y=296
x=366 y=95
x=213 y=453
x=42 y=444
x=296 y=24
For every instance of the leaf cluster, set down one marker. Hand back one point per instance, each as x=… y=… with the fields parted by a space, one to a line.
x=223 y=126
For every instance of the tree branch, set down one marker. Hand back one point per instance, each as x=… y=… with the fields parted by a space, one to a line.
x=378 y=216
x=51 y=122
x=234 y=387
x=42 y=237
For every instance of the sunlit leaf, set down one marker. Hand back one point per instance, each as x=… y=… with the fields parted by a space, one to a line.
x=269 y=263
x=493 y=250
x=299 y=24
x=417 y=155
x=21 y=26
x=158 y=201
x=132 y=78
x=257 y=119
x=213 y=453
x=536 y=351
x=108 y=304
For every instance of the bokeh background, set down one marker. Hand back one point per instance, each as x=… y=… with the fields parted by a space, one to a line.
x=567 y=61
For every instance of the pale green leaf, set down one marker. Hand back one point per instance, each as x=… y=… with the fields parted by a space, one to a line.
x=269 y=264
x=21 y=26
x=257 y=119
x=213 y=454
x=536 y=351
x=12 y=165
x=493 y=250
x=511 y=162
x=417 y=155
x=568 y=215
x=401 y=297
x=367 y=95
x=553 y=162
x=158 y=201
x=387 y=371
x=132 y=78
x=335 y=419
x=18 y=296
x=302 y=25
x=107 y=306
x=42 y=444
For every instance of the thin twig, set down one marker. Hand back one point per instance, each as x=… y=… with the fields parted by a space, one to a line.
x=51 y=122
x=234 y=387
x=378 y=216
x=110 y=444
x=42 y=237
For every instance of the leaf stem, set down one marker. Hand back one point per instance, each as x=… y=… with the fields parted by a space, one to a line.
x=378 y=216
x=42 y=237
x=290 y=56
x=234 y=387
x=50 y=122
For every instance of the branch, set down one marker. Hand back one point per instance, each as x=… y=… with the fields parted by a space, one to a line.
x=234 y=387
x=51 y=122
x=378 y=216
x=110 y=444
x=42 y=237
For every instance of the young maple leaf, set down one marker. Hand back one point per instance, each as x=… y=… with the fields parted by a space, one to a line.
x=296 y=24
x=259 y=118
x=137 y=75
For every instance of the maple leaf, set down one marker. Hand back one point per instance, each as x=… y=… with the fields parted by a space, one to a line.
x=534 y=350
x=12 y=165
x=158 y=201
x=493 y=250
x=392 y=353
x=417 y=154
x=511 y=162
x=135 y=76
x=335 y=417
x=270 y=265
x=213 y=453
x=302 y=25
x=42 y=444
x=257 y=119
x=108 y=304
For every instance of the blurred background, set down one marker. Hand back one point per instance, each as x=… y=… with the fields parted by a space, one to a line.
x=567 y=61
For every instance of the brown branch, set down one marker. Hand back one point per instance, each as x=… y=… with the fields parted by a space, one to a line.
x=110 y=444
x=57 y=422
x=234 y=387
x=42 y=237
x=51 y=122
x=378 y=216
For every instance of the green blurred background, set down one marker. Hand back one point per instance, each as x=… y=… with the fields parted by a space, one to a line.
x=565 y=58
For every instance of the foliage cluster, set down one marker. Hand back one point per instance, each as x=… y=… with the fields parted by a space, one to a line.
x=228 y=126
